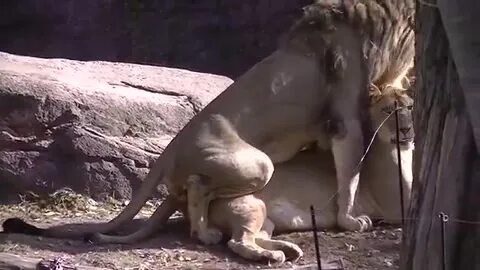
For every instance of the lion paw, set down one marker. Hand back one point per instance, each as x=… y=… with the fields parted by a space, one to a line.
x=292 y=252
x=253 y=252
x=360 y=223
x=210 y=236
x=273 y=256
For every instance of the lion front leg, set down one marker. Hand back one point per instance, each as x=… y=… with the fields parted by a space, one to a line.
x=198 y=199
x=347 y=149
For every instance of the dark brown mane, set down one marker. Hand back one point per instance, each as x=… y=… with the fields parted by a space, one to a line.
x=311 y=35
x=385 y=25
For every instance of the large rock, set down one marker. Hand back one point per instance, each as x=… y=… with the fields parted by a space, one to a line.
x=93 y=126
x=221 y=37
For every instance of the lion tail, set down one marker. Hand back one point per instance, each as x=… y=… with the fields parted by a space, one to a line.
x=73 y=231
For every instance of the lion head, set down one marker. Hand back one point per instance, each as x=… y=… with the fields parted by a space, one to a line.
x=382 y=105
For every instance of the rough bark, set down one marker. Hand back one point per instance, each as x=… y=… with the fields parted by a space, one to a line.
x=458 y=17
x=447 y=164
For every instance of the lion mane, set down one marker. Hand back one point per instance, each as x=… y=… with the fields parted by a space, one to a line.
x=386 y=27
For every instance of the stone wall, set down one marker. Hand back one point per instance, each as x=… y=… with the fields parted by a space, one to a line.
x=214 y=36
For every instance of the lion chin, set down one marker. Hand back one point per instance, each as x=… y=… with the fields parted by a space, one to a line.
x=403 y=142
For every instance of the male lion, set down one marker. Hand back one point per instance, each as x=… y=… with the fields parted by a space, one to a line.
x=307 y=179
x=310 y=179
x=283 y=205
x=311 y=89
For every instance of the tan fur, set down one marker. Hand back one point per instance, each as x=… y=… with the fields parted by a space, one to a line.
x=283 y=205
x=388 y=29
x=310 y=179
x=312 y=89
x=265 y=118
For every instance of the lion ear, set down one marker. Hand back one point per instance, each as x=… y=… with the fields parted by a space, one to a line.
x=374 y=94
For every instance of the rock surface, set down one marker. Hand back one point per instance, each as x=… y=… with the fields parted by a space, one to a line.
x=93 y=126
x=221 y=37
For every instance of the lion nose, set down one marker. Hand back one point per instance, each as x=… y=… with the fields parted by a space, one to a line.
x=406 y=130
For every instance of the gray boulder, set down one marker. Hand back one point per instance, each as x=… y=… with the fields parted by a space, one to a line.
x=95 y=127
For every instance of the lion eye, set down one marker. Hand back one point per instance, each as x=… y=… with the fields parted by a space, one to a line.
x=410 y=107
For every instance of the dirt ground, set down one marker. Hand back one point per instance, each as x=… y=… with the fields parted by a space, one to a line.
x=172 y=249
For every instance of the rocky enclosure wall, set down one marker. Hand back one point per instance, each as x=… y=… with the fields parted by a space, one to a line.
x=93 y=126
x=213 y=36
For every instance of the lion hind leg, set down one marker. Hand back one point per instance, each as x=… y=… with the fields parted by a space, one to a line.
x=292 y=251
x=199 y=197
x=247 y=248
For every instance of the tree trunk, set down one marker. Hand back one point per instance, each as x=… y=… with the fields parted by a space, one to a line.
x=446 y=162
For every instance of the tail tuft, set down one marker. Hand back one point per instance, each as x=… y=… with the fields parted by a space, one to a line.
x=17 y=225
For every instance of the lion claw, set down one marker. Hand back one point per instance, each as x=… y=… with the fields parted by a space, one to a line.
x=274 y=256
x=361 y=223
x=293 y=252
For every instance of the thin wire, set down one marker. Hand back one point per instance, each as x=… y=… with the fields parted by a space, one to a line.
x=322 y=209
x=456 y=220
x=450 y=219
x=364 y=154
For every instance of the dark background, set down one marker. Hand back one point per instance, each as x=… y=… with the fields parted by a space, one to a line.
x=215 y=36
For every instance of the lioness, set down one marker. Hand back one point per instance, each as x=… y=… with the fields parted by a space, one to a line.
x=313 y=88
x=309 y=179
